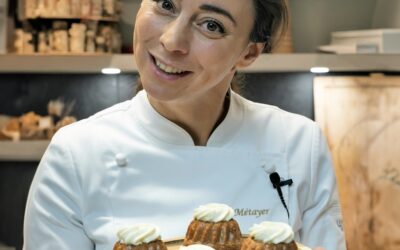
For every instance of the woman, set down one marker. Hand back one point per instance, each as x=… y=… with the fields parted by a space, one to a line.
x=186 y=140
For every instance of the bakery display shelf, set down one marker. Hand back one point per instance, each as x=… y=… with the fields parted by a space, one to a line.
x=90 y=18
x=83 y=63
x=65 y=54
x=22 y=150
x=335 y=63
x=65 y=63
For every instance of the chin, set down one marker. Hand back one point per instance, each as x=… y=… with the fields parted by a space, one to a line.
x=160 y=93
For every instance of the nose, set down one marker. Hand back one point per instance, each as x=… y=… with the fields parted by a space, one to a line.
x=175 y=37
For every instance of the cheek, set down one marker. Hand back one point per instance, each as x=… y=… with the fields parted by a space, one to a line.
x=219 y=54
x=147 y=27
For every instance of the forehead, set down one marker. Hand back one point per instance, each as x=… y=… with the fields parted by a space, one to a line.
x=236 y=8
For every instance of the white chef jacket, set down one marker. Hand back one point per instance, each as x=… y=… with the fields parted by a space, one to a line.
x=128 y=164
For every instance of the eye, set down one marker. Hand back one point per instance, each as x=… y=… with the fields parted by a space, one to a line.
x=213 y=26
x=165 y=5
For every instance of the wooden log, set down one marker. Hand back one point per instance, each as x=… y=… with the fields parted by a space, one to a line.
x=360 y=117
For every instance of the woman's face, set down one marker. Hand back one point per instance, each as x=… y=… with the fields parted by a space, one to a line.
x=189 y=49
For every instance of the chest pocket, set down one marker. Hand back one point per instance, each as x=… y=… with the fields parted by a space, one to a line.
x=164 y=187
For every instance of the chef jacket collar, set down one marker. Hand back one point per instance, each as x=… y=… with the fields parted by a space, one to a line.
x=168 y=132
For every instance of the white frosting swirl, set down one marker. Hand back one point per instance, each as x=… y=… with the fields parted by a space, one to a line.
x=272 y=232
x=196 y=247
x=214 y=212
x=138 y=234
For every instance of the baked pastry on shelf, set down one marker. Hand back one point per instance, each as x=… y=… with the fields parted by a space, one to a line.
x=139 y=237
x=213 y=225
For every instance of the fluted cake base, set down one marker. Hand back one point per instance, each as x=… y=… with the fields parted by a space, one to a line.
x=155 y=245
x=224 y=235
x=251 y=244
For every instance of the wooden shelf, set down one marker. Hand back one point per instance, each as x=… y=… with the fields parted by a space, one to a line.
x=65 y=63
x=91 y=18
x=336 y=63
x=90 y=63
x=22 y=150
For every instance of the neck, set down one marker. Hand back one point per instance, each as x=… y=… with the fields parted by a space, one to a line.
x=199 y=118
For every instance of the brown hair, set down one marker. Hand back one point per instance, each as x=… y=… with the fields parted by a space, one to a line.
x=270 y=24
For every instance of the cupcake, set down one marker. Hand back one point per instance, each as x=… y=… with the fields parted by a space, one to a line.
x=213 y=225
x=139 y=237
x=271 y=236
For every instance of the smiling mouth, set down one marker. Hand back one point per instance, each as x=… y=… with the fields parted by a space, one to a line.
x=169 y=70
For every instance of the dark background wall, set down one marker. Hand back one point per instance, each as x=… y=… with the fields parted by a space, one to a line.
x=21 y=93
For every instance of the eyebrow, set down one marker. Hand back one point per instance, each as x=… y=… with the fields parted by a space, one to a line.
x=218 y=10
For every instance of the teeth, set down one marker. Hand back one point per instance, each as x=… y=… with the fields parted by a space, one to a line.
x=168 y=69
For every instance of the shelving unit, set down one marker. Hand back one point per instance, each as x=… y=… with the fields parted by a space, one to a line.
x=33 y=150
x=22 y=151
x=93 y=63
x=66 y=26
x=90 y=18
x=68 y=63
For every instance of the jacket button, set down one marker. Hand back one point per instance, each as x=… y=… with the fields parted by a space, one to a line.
x=121 y=160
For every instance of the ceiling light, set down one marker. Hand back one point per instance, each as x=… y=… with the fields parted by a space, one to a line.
x=319 y=70
x=110 y=71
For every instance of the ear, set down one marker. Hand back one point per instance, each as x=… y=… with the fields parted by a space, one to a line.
x=250 y=54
